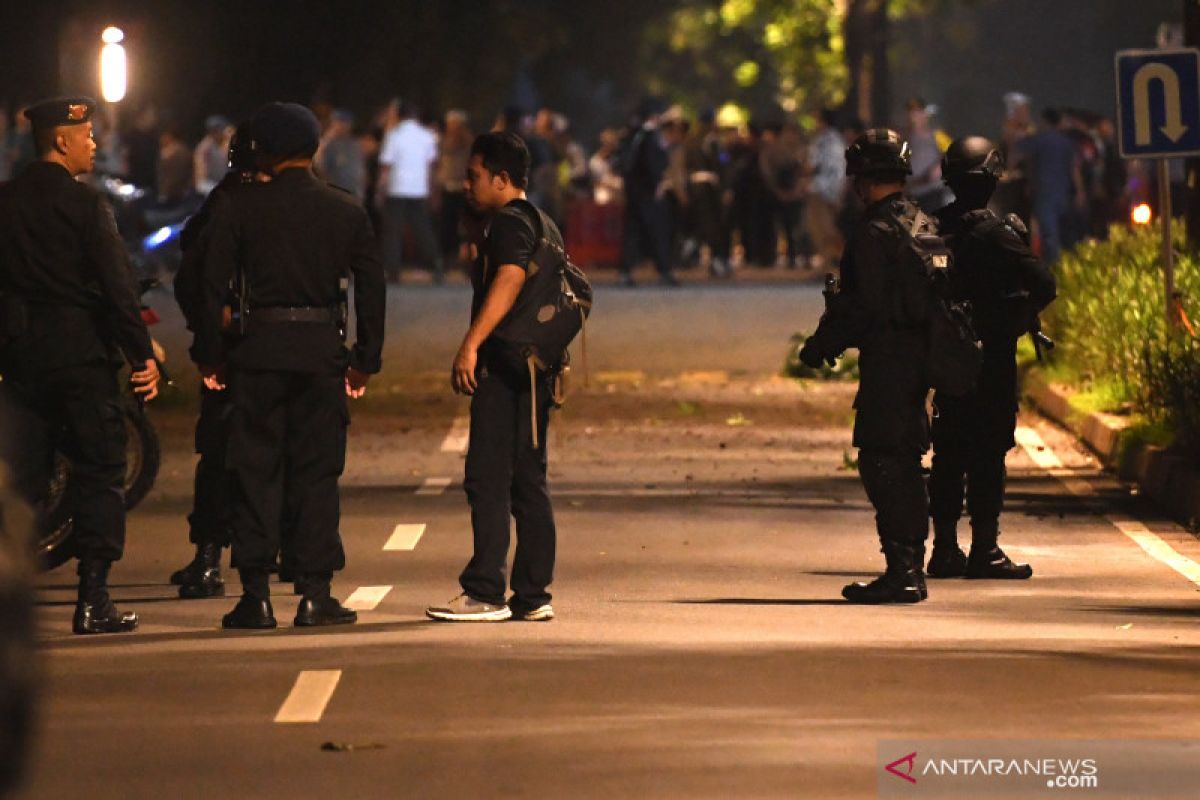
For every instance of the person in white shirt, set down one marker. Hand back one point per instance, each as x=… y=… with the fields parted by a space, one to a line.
x=405 y=165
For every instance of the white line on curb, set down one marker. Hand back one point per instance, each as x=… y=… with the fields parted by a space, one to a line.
x=456 y=439
x=309 y=696
x=366 y=598
x=405 y=537
x=1154 y=546
x=434 y=486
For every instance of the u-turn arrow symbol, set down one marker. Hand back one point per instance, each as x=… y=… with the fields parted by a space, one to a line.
x=1174 y=129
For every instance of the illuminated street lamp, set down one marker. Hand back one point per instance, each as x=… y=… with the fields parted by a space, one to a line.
x=113 y=75
x=1141 y=214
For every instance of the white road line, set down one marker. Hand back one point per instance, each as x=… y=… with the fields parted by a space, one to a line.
x=1158 y=549
x=1048 y=460
x=309 y=696
x=434 y=486
x=405 y=537
x=1154 y=546
x=366 y=598
x=456 y=439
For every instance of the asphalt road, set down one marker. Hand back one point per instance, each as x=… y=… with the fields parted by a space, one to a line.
x=707 y=520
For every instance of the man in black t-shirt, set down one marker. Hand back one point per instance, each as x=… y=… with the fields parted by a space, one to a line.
x=505 y=470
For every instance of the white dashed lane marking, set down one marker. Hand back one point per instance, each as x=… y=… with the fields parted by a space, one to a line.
x=405 y=537
x=309 y=696
x=1152 y=544
x=456 y=439
x=434 y=486
x=366 y=598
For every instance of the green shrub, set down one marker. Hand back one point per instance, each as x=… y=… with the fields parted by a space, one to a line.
x=1110 y=325
x=1172 y=390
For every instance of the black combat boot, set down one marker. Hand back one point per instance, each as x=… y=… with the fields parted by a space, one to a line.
x=918 y=564
x=990 y=562
x=901 y=583
x=948 y=559
x=208 y=582
x=192 y=572
x=318 y=607
x=95 y=612
x=253 y=611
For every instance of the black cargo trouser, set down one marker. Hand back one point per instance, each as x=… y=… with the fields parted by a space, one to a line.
x=896 y=488
x=209 y=520
x=971 y=436
x=287 y=449
x=506 y=476
x=78 y=412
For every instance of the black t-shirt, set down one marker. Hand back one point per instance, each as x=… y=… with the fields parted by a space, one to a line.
x=511 y=238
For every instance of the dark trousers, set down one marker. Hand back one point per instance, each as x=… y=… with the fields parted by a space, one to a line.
x=970 y=440
x=647 y=233
x=76 y=411
x=454 y=204
x=209 y=520
x=708 y=218
x=896 y=488
x=287 y=449
x=506 y=477
x=789 y=216
x=409 y=213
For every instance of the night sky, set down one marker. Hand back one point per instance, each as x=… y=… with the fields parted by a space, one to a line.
x=582 y=57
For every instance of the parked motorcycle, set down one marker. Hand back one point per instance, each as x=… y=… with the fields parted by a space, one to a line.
x=150 y=231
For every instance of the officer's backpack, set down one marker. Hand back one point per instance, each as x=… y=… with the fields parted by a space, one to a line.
x=1004 y=304
x=953 y=354
x=551 y=310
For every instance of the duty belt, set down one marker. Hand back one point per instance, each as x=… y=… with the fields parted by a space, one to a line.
x=292 y=314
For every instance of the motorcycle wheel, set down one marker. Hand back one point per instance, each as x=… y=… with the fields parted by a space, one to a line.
x=143 y=457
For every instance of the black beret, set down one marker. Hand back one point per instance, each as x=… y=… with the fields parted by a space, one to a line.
x=285 y=130
x=57 y=111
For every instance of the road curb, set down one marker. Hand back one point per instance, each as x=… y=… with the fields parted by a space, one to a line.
x=1167 y=479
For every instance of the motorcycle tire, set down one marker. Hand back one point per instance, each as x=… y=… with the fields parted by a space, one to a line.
x=143 y=457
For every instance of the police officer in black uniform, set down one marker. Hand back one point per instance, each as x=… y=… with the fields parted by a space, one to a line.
x=874 y=312
x=69 y=312
x=290 y=242
x=1006 y=286
x=209 y=521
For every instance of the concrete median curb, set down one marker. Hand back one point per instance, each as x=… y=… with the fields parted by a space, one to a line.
x=1167 y=479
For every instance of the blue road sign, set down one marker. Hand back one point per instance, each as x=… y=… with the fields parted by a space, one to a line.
x=1158 y=103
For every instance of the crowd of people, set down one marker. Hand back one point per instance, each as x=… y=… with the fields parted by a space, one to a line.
x=711 y=191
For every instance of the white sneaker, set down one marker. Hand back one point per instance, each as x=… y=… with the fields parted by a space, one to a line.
x=543 y=613
x=466 y=609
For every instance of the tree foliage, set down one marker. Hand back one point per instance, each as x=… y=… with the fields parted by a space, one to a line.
x=765 y=55
x=760 y=54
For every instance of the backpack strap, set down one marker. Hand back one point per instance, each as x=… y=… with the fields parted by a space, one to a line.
x=531 y=362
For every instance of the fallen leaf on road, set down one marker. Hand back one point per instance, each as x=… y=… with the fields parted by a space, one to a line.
x=737 y=421
x=1125 y=627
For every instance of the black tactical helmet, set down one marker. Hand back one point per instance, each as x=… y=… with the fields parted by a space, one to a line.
x=971 y=155
x=879 y=151
x=241 y=150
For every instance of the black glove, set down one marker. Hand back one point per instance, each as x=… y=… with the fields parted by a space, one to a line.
x=810 y=355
